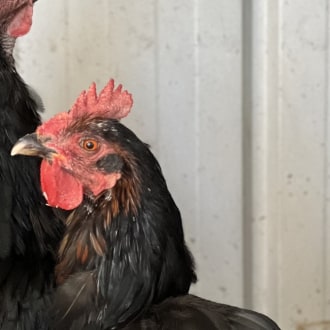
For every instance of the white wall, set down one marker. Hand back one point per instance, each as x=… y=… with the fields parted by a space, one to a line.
x=233 y=98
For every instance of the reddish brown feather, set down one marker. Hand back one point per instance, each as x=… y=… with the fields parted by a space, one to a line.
x=84 y=256
x=84 y=237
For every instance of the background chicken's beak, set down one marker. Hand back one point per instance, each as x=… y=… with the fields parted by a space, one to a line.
x=30 y=145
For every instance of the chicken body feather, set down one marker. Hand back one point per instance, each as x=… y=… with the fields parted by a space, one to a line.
x=29 y=230
x=135 y=254
x=190 y=312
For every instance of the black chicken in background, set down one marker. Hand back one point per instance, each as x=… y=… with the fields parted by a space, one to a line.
x=29 y=230
x=123 y=262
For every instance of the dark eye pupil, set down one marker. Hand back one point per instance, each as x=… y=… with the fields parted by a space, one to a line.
x=89 y=145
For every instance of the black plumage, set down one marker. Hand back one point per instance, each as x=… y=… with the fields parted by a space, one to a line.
x=190 y=312
x=29 y=230
x=123 y=262
x=136 y=250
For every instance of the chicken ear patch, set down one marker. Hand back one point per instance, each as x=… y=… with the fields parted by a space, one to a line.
x=59 y=187
x=22 y=22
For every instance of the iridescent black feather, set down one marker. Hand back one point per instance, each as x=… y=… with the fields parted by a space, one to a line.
x=29 y=230
x=137 y=256
x=123 y=262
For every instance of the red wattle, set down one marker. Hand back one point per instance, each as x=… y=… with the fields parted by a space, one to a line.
x=59 y=187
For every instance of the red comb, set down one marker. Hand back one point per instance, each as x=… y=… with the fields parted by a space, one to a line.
x=111 y=103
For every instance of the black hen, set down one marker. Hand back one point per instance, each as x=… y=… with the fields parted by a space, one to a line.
x=123 y=252
x=29 y=231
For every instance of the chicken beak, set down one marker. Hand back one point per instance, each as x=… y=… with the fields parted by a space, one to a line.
x=31 y=145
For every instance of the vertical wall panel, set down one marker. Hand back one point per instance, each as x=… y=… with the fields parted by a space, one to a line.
x=288 y=118
x=326 y=236
x=86 y=47
x=176 y=108
x=200 y=134
x=219 y=150
x=41 y=56
x=288 y=174
x=115 y=39
x=260 y=154
x=303 y=112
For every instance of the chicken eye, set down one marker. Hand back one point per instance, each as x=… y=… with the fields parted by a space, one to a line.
x=89 y=144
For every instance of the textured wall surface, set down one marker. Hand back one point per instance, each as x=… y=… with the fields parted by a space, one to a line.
x=233 y=97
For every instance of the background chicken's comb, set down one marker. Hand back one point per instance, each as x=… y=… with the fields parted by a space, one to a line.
x=111 y=103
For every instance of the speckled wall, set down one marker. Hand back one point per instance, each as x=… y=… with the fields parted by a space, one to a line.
x=233 y=98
